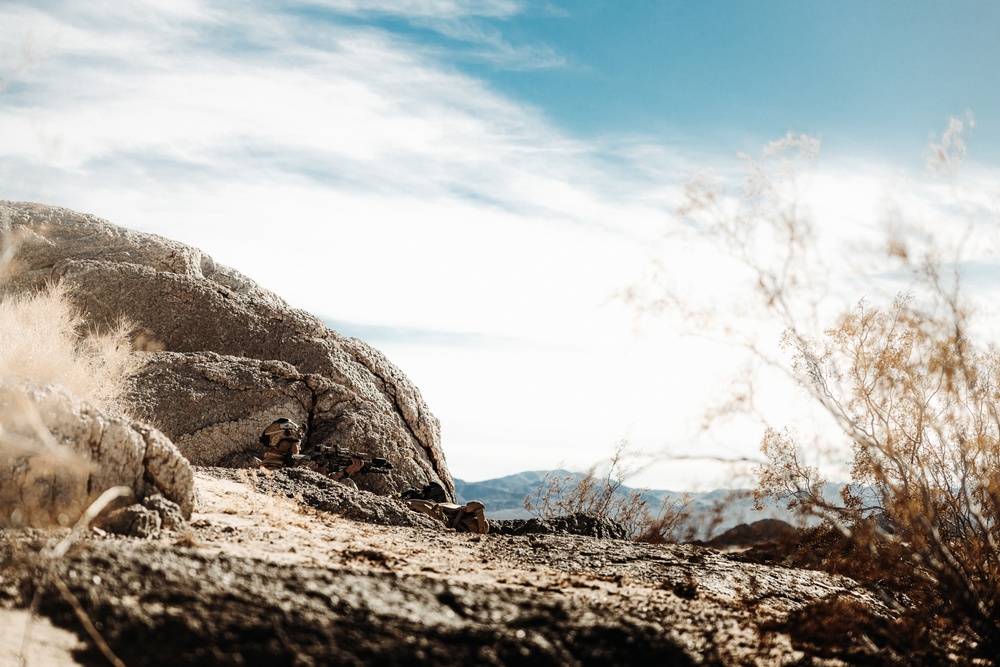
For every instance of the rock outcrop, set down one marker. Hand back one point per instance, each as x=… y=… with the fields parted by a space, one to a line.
x=59 y=454
x=232 y=356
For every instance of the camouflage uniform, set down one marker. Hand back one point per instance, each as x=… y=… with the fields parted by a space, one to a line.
x=283 y=439
x=337 y=475
x=467 y=518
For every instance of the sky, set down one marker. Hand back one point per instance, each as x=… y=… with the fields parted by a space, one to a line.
x=470 y=187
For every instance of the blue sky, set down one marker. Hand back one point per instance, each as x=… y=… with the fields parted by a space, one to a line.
x=469 y=185
x=861 y=74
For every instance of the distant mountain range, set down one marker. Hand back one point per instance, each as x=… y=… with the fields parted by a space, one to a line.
x=504 y=499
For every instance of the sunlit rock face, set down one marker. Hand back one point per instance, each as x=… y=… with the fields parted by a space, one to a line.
x=226 y=357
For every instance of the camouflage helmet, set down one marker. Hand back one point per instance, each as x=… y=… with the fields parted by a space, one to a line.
x=280 y=430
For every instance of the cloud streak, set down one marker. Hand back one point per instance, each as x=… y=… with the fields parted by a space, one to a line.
x=424 y=9
x=330 y=100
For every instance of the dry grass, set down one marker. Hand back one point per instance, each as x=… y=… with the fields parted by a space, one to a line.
x=254 y=500
x=43 y=338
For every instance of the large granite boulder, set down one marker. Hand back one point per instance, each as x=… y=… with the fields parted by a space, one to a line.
x=230 y=356
x=59 y=454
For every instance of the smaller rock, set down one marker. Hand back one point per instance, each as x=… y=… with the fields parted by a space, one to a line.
x=171 y=517
x=133 y=521
x=573 y=524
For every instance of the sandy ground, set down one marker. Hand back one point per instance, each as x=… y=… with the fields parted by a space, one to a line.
x=232 y=518
x=277 y=552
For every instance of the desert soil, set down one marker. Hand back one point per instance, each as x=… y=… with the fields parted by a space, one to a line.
x=295 y=569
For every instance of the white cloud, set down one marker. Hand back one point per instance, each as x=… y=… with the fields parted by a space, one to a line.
x=467 y=24
x=415 y=196
x=443 y=9
x=490 y=46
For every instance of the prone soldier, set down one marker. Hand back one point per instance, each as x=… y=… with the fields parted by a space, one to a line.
x=283 y=442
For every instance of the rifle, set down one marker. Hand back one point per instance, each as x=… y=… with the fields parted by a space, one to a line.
x=338 y=458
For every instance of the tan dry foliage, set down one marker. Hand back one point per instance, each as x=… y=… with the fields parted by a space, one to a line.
x=43 y=338
x=915 y=402
x=43 y=341
x=920 y=407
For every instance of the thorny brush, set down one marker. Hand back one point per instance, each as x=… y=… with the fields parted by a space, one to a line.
x=911 y=395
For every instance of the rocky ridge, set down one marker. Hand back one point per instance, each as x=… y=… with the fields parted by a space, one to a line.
x=84 y=451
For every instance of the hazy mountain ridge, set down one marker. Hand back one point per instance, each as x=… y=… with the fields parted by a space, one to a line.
x=504 y=499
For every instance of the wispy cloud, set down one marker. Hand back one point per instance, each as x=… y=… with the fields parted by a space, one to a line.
x=468 y=27
x=286 y=98
x=487 y=44
x=346 y=135
x=437 y=9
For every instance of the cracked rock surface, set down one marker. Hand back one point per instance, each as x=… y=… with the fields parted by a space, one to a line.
x=229 y=355
x=63 y=453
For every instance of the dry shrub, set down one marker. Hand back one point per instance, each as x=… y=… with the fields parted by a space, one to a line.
x=921 y=408
x=604 y=497
x=673 y=523
x=43 y=341
x=914 y=402
x=44 y=338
